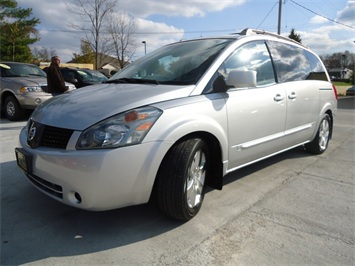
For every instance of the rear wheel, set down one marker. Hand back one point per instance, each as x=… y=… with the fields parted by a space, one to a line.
x=181 y=179
x=13 y=110
x=320 y=142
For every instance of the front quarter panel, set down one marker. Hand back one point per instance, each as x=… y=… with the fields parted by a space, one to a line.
x=205 y=113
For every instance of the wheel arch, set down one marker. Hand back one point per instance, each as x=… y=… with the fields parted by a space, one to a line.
x=215 y=177
x=4 y=95
x=330 y=113
x=329 y=109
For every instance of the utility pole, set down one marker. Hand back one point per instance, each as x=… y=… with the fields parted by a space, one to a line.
x=279 y=20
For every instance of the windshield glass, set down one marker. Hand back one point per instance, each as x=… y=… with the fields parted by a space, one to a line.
x=179 y=63
x=20 y=70
x=92 y=76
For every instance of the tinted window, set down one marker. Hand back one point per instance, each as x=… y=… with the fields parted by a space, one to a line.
x=290 y=61
x=317 y=69
x=91 y=76
x=68 y=74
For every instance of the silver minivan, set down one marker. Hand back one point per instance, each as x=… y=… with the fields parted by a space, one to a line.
x=178 y=120
x=22 y=87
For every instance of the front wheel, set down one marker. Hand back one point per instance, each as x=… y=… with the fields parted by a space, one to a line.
x=320 y=142
x=181 y=179
x=13 y=110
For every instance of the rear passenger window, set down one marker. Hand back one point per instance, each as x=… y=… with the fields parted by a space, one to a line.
x=318 y=71
x=252 y=56
x=290 y=61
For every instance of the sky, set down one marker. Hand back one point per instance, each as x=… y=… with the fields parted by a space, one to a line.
x=325 y=26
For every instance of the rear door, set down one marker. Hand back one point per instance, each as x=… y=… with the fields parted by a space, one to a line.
x=302 y=92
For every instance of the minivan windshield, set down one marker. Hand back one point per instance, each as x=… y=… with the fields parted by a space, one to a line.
x=181 y=63
x=11 y=70
x=91 y=76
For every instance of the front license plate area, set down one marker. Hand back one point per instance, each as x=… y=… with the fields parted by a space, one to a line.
x=24 y=160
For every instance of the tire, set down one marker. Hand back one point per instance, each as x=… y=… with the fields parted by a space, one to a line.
x=320 y=142
x=13 y=110
x=181 y=179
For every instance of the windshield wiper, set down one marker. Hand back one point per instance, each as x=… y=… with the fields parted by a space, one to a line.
x=133 y=81
x=37 y=75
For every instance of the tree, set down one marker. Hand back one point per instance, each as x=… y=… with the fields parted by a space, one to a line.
x=294 y=36
x=17 y=32
x=86 y=56
x=92 y=15
x=345 y=61
x=338 y=60
x=43 y=54
x=121 y=28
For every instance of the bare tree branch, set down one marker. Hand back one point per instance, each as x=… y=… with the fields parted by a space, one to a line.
x=92 y=15
x=121 y=28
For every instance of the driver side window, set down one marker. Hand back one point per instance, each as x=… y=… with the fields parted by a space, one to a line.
x=253 y=56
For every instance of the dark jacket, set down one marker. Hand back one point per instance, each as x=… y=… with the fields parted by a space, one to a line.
x=55 y=80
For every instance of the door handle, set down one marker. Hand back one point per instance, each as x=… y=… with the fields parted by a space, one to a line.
x=278 y=98
x=292 y=96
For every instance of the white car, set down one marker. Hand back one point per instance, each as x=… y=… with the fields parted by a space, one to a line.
x=178 y=120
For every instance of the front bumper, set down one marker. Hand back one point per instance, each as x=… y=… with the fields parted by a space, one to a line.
x=95 y=179
x=31 y=100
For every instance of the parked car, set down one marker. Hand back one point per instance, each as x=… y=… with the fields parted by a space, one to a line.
x=350 y=91
x=82 y=77
x=23 y=86
x=178 y=120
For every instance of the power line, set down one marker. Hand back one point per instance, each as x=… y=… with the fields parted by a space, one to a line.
x=332 y=20
x=151 y=33
x=267 y=15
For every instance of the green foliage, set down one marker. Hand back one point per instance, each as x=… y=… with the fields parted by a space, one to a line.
x=341 y=83
x=87 y=54
x=17 y=32
x=294 y=36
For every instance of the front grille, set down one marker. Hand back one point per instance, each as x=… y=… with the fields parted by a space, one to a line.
x=50 y=188
x=55 y=137
x=40 y=135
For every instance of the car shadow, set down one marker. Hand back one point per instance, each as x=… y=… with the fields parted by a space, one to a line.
x=347 y=102
x=298 y=152
x=34 y=227
x=25 y=117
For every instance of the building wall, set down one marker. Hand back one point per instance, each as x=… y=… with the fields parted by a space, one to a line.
x=76 y=65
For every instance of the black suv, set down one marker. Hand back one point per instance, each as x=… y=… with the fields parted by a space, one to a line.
x=82 y=77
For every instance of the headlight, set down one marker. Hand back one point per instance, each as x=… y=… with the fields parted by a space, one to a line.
x=31 y=89
x=124 y=129
x=71 y=87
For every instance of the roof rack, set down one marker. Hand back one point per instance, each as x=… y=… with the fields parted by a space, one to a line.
x=248 y=31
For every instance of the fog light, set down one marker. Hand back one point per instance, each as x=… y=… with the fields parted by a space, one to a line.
x=38 y=101
x=74 y=198
x=77 y=196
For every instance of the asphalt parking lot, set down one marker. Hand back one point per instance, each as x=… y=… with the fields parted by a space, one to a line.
x=292 y=209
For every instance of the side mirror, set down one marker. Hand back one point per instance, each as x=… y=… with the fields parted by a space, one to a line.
x=241 y=79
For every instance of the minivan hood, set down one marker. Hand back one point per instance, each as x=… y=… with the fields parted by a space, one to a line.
x=79 y=109
x=29 y=81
